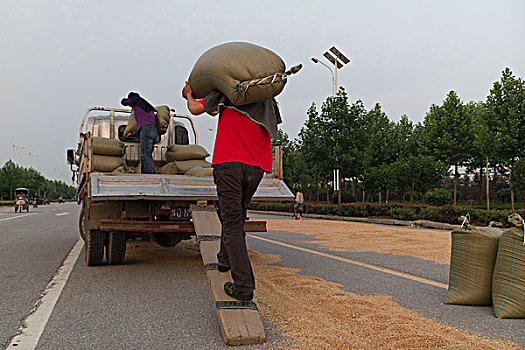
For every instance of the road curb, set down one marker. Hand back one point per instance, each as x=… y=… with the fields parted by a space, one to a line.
x=369 y=220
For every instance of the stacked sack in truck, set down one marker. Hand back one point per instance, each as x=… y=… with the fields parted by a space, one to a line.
x=187 y=160
x=107 y=154
x=162 y=114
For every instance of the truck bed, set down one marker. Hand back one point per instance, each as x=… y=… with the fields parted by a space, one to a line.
x=106 y=187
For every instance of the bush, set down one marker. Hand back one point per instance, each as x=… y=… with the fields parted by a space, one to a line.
x=438 y=197
x=504 y=195
x=346 y=197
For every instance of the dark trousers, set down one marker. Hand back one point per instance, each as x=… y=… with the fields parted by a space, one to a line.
x=236 y=183
x=148 y=135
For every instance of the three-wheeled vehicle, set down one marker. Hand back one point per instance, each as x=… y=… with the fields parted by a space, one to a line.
x=21 y=201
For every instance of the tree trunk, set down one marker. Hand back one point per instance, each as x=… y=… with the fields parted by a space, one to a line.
x=481 y=185
x=511 y=186
x=327 y=195
x=379 y=194
x=364 y=196
x=412 y=190
x=455 y=183
x=386 y=195
x=487 y=184
x=353 y=188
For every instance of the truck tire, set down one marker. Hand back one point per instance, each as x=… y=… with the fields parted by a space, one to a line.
x=116 y=247
x=82 y=223
x=95 y=241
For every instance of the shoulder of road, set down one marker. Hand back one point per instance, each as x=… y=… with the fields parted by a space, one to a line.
x=369 y=220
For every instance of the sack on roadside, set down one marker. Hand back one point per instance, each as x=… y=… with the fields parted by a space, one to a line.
x=473 y=254
x=508 y=282
x=108 y=147
x=245 y=73
x=184 y=165
x=170 y=168
x=107 y=163
x=186 y=152
x=162 y=123
x=199 y=171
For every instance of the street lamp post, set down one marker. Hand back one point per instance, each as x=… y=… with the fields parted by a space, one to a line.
x=16 y=148
x=338 y=60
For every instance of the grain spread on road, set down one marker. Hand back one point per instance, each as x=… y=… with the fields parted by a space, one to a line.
x=316 y=314
x=431 y=245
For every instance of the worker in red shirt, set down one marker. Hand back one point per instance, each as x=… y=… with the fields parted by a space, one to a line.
x=241 y=155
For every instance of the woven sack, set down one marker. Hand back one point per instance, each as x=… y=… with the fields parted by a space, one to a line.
x=184 y=165
x=230 y=68
x=199 y=171
x=170 y=168
x=508 y=282
x=107 y=147
x=162 y=117
x=107 y=163
x=474 y=251
x=123 y=169
x=186 y=152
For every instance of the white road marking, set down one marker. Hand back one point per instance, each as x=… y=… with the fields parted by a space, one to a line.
x=357 y=263
x=20 y=216
x=60 y=214
x=33 y=326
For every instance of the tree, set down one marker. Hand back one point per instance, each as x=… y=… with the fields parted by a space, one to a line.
x=506 y=119
x=448 y=134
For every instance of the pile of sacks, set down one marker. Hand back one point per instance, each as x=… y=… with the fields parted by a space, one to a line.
x=187 y=160
x=487 y=267
x=107 y=154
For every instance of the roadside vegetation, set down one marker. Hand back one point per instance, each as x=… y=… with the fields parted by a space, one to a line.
x=13 y=176
x=383 y=161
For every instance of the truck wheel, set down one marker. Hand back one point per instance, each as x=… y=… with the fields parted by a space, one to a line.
x=116 y=247
x=82 y=223
x=95 y=240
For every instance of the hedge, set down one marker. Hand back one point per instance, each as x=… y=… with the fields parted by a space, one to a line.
x=400 y=211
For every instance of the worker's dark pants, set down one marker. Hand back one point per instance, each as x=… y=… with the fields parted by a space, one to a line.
x=236 y=184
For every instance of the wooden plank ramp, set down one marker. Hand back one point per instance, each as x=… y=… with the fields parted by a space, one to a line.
x=240 y=321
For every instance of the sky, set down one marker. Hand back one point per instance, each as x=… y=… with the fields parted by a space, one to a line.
x=60 y=57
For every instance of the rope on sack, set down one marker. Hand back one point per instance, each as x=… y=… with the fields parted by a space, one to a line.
x=245 y=85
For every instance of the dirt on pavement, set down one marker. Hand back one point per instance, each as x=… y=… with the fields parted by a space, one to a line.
x=316 y=314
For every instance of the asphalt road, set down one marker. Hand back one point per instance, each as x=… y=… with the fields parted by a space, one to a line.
x=160 y=297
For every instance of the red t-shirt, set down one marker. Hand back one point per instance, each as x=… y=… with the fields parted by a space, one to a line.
x=239 y=139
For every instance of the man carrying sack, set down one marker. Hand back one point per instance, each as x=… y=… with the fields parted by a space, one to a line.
x=146 y=121
x=242 y=153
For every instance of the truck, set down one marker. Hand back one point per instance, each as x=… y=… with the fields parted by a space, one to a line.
x=119 y=207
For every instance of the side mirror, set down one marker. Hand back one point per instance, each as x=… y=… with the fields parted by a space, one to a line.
x=70 y=156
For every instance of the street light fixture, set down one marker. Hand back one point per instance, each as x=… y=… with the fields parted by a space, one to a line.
x=16 y=148
x=335 y=57
x=316 y=60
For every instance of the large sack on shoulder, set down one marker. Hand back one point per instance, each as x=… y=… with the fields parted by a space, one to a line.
x=244 y=72
x=107 y=147
x=107 y=163
x=185 y=165
x=132 y=124
x=508 y=282
x=163 y=119
x=185 y=152
x=199 y=171
x=474 y=251
x=170 y=168
x=162 y=123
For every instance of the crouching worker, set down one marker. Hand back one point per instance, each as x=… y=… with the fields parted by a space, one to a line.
x=146 y=127
x=242 y=153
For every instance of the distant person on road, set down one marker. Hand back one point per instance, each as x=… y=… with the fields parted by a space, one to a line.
x=299 y=202
x=146 y=127
x=242 y=153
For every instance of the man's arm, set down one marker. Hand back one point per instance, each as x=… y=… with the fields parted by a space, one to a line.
x=194 y=106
